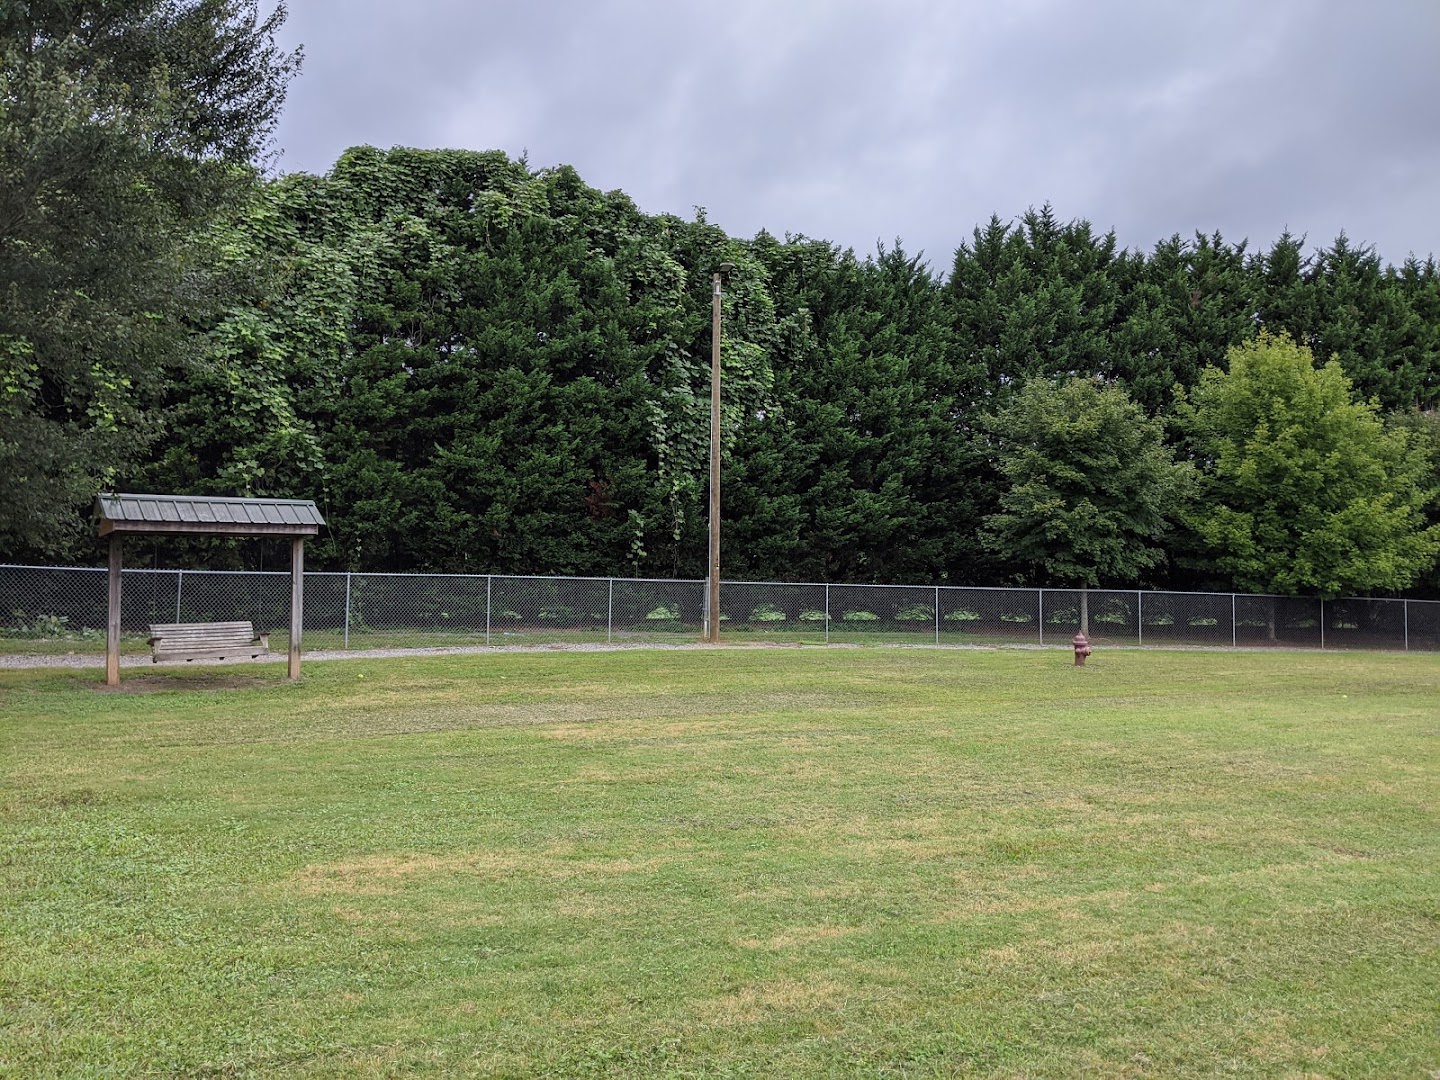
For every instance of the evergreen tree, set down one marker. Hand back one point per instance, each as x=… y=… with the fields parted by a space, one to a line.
x=867 y=435
x=1036 y=299
x=1181 y=309
x=1367 y=322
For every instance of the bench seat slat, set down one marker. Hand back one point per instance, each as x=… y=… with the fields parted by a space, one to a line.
x=164 y=628
x=210 y=654
x=207 y=635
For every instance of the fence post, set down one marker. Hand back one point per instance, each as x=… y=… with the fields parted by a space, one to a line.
x=488 y=579
x=179 y=584
x=827 y=613
x=112 y=619
x=1407 y=624
x=610 y=612
x=937 y=614
x=1139 y=618
x=1040 y=607
x=1322 y=622
x=1234 y=640
x=297 y=602
x=346 y=645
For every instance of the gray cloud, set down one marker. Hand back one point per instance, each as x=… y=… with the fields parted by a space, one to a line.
x=861 y=120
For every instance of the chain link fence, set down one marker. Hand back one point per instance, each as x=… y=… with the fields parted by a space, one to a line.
x=63 y=609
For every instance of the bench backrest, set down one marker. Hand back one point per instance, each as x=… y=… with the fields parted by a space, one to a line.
x=175 y=637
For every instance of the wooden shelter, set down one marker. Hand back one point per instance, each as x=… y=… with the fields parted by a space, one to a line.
x=117 y=515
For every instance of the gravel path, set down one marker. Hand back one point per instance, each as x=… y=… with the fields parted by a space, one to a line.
x=97 y=660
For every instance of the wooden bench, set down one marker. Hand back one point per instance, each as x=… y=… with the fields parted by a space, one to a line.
x=206 y=641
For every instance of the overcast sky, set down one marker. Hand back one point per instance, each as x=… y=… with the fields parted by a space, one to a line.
x=862 y=120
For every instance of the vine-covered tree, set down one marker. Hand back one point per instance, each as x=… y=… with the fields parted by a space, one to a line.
x=489 y=414
x=242 y=417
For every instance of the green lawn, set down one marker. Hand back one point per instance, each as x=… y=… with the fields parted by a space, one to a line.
x=744 y=862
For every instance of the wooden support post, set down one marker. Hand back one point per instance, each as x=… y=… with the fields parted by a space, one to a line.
x=112 y=622
x=297 y=601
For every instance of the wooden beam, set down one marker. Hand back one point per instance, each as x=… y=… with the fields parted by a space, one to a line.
x=297 y=601
x=112 y=621
x=204 y=528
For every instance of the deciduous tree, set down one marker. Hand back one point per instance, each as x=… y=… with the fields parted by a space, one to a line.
x=1302 y=487
x=1092 y=489
x=125 y=127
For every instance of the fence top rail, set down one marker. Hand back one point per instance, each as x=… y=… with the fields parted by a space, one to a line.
x=701 y=581
x=597 y=580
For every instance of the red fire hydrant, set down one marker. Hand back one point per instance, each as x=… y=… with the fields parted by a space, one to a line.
x=1082 y=649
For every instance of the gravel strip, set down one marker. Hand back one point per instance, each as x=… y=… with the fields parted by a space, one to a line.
x=97 y=660
x=94 y=660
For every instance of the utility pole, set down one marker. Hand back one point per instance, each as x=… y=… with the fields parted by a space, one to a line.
x=712 y=598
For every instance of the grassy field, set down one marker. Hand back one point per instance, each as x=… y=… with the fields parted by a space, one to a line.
x=743 y=862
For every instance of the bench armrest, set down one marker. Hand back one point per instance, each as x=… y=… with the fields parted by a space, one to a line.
x=264 y=640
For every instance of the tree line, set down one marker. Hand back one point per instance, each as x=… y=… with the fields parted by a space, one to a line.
x=475 y=365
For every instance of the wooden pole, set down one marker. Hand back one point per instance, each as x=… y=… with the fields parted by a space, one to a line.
x=712 y=594
x=112 y=622
x=297 y=601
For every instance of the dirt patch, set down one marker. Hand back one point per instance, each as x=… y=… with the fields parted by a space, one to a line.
x=155 y=684
x=380 y=875
x=799 y=935
x=385 y=875
x=786 y=997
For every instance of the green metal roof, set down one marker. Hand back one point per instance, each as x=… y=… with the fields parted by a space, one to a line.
x=213 y=515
